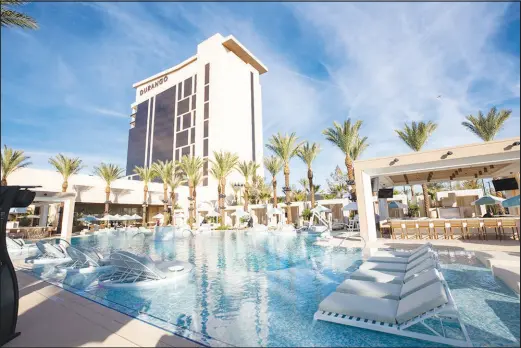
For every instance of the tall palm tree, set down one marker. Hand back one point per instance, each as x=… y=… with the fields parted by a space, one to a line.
x=273 y=165
x=66 y=166
x=248 y=171
x=487 y=127
x=192 y=166
x=146 y=174
x=109 y=173
x=12 y=18
x=11 y=161
x=308 y=153
x=164 y=171
x=285 y=147
x=415 y=136
x=344 y=136
x=178 y=178
x=359 y=146
x=223 y=164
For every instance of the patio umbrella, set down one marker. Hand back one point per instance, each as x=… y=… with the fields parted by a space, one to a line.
x=397 y=205
x=240 y=213
x=213 y=213
x=117 y=217
x=488 y=200
x=136 y=217
x=17 y=210
x=350 y=206
x=511 y=202
x=88 y=218
x=107 y=217
x=158 y=216
x=127 y=217
x=320 y=209
x=275 y=211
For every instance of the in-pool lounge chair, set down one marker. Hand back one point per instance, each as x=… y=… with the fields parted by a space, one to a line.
x=424 y=306
x=49 y=254
x=18 y=247
x=400 y=256
x=132 y=271
x=397 y=267
x=396 y=277
x=85 y=261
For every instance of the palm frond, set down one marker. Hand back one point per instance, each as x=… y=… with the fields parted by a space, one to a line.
x=191 y=166
x=66 y=166
x=163 y=170
x=307 y=152
x=416 y=135
x=223 y=164
x=12 y=18
x=487 y=127
x=284 y=146
x=108 y=172
x=12 y=160
x=273 y=165
x=146 y=174
x=343 y=136
x=359 y=146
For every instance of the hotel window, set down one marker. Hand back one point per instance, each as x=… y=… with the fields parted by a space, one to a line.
x=206 y=110
x=193 y=120
x=182 y=139
x=193 y=102
x=179 y=91
x=187 y=87
x=187 y=120
x=186 y=151
x=207 y=74
x=205 y=147
x=178 y=124
x=205 y=168
x=183 y=106
x=206 y=93
x=192 y=139
x=205 y=129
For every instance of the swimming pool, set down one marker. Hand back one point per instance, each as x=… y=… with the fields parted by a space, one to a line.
x=261 y=289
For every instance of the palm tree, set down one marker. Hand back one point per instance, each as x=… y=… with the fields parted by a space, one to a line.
x=487 y=128
x=415 y=136
x=307 y=153
x=109 y=173
x=359 y=146
x=222 y=165
x=164 y=171
x=285 y=147
x=236 y=189
x=147 y=175
x=66 y=167
x=345 y=137
x=12 y=160
x=248 y=170
x=273 y=165
x=192 y=166
x=178 y=178
x=12 y=18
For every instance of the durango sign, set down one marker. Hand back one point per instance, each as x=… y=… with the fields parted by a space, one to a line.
x=153 y=85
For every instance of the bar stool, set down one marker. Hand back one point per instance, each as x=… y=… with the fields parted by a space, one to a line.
x=424 y=225
x=476 y=224
x=440 y=224
x=456 y=224
x=510 y=223
x=491 y=223
x=395 y=225
x=411 y=226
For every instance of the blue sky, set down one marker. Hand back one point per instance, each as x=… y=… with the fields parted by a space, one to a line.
x=67 y=87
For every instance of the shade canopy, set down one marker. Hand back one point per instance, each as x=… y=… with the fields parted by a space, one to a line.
x=158 y=216
x=350 y=206
x=275 y=211
x=127 y=217
x=511 y=202
x=107 y=217
x=17 y=210
x=488 y=200
x=88 y=218
x=136 y=216
x=320 y=209
x=240 y=213
x=117 y=217
x=205 y=206
x=397 y=205
x=212 y=213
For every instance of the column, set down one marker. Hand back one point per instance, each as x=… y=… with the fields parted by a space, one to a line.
x=383 y=207
x=44 y=214
x=364 y=195
x=68 y=215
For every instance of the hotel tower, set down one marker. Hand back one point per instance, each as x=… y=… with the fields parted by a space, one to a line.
x=210 y=102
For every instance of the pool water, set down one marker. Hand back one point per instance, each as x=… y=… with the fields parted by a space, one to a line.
x=261 y=289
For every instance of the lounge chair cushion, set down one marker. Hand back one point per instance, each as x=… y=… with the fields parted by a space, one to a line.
x=370 y=289
x=384 y=266
x=378 y=276
x=389 y=259
x=420 y=302
x=425 y=265
x=405 y=254
x=419 y=282
x=419 y=260
x=378 y=309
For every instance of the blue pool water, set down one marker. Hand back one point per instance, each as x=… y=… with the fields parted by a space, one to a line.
x=259 y=289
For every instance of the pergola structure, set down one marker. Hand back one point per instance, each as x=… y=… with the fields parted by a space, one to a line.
x=67 y=198
x=474 y=161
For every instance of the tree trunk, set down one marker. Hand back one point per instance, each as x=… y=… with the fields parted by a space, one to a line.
x=426 y=200
x=194 y=200
x=288 y=203
x=4 y=181
x=274 y=183
x=351 y=175
x=65 y=186
x=172 y=198
x=165 y=197
x=246 y=196
x=311 y=187
x=145 y=195
x=221 y=207
x=191 y=209
x=107 y=197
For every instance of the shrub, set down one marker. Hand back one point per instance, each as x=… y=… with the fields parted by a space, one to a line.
x=244 y=219
x=306 y=214
x=222 y=228
x=413 y=210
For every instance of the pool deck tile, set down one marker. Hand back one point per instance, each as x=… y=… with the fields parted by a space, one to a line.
x=52 y=317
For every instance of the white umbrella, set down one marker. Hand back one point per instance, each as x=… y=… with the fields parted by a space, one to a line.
x=136 y=217
x=212 y=213
x=488 y=200
x=350 y=206
x=127 y=217
x=275 y=211
x=204 y=206
x=117 y=217
x=240 y=213
x=320 y=209
x=158 y=216
x=107 y=217
x=395 y=204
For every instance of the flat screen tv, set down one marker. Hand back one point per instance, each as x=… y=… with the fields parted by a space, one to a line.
x=385 y=193
x=505 y=184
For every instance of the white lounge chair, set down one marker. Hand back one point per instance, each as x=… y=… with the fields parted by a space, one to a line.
x=49 y=254
x=389 y=290
x=85 y=261
x=393 y=276
x=397 y=316
x=396 y=267
x=399 y=257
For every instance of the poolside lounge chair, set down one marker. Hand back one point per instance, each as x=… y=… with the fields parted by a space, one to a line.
x=396 y=316
x=397 y=267
x=49 y=254
x=85 y=260
x=389 y=290
x=133 y=271
x=399 y=257
x=394 y=276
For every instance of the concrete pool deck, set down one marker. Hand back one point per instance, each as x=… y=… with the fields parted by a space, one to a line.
x=49 y=316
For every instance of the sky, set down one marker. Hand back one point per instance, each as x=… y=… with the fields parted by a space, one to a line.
x=67 y=87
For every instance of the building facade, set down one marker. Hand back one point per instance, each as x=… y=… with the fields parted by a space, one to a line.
x=210 y=102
